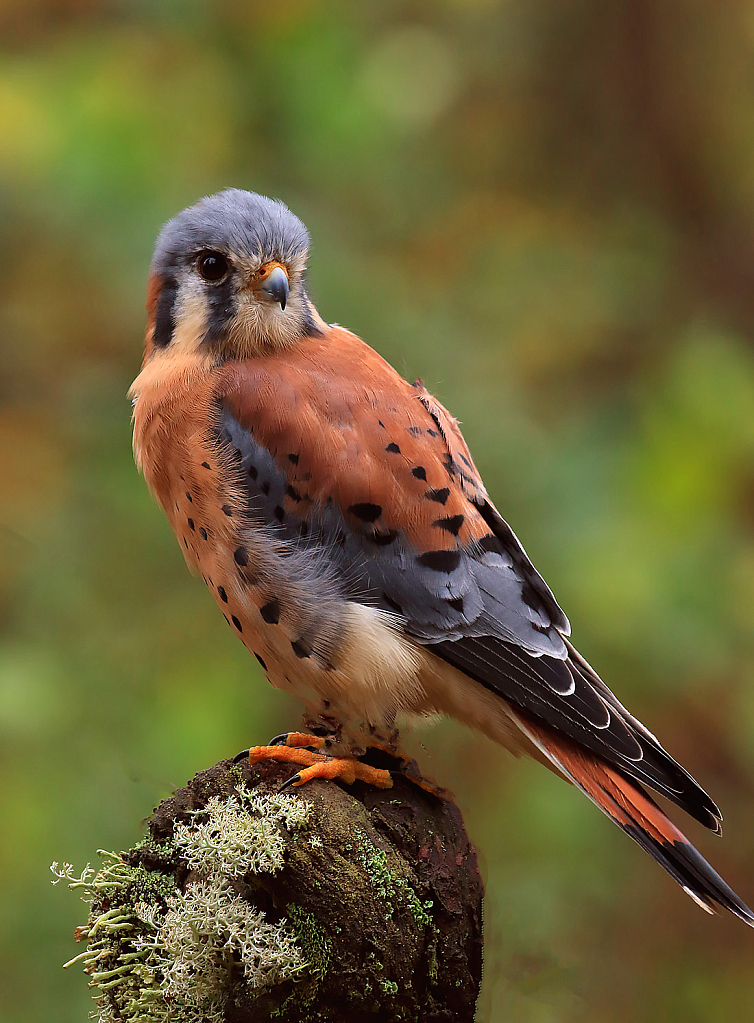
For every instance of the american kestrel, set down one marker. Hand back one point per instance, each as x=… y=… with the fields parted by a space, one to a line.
x=336 y=515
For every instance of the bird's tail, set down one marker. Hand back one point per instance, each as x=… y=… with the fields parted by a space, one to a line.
x=627 y=804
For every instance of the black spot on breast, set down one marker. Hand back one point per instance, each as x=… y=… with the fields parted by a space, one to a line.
x=465 y=460
x=222 y=594
x=440 y=561
x=293 y=459
x=203 y=532
x=392 y=604
x=293 y=493
x=441 y=495
x=189 y=498
x=164 y=317
x=227 y=510
x=191 y=524
x=185 y=543
x=265 y=488
x=236 y=622
x=279 y=513
x=433 y=433
x=383 y=539
x=381 y=423
x=253 y=472
x=206 y=465
x=301 y=648
x=414 y=430
x=261 y=661
x=452 y=524
x=457 y=604
x=241 y=556
x=420 y=472
x=226 y=618
x=366 y=512
x=271 y=612
x=393 y=449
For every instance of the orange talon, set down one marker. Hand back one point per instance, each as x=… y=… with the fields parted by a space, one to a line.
x=345 y=769
x=287 y=754
x=318 y=765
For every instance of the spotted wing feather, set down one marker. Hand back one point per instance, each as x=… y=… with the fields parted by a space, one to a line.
x=366 y=463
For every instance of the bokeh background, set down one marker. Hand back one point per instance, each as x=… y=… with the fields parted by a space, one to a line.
x=546 y=210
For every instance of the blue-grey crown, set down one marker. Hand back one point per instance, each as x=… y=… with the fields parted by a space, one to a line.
x=232 y=221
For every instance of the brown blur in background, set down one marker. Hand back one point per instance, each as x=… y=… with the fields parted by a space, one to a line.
x=546 y=211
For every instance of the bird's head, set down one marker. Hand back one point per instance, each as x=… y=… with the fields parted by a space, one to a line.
x=227 y=279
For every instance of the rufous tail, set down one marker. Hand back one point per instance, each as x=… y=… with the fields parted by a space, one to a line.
x=627 y=804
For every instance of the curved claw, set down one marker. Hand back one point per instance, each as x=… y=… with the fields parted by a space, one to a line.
x=279 y=740
x=291 y=781
x=243 y=755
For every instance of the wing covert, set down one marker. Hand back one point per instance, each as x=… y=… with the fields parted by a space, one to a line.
x=377 y=474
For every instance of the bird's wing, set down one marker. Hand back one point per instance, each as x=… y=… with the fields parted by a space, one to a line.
x=340 y=455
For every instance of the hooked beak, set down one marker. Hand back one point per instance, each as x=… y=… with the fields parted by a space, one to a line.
x=275 y=286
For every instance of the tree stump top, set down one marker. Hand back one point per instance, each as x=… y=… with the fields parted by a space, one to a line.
x=321 y=903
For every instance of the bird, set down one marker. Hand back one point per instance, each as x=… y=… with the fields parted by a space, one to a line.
x=335 y=513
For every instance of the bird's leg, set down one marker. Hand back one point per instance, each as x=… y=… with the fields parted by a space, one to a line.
x=322 y=732
x=388 y=742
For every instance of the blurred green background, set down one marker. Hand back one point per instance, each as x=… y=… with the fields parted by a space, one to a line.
x=547 y=212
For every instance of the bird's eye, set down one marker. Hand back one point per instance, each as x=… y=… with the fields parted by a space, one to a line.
x=212 y=266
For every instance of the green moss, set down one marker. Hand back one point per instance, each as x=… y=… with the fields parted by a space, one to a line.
x=389 y=987
x=387 y=885
x=312 y=939
x=150 y=885
x=416 y=906
x=375 y=863
x=165 y=850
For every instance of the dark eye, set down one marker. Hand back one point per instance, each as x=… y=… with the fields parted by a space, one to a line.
x=212 y=266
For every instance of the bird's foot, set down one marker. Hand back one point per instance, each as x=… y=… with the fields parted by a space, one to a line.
x=292 y=740
x=314 y=764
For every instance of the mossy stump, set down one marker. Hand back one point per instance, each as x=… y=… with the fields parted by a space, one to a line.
x=322 y=903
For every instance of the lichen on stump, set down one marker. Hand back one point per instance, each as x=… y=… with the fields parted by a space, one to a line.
x=320 y=903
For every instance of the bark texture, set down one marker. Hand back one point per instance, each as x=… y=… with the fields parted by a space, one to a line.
x=380 y=887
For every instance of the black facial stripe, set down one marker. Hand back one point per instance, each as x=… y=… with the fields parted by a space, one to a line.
x=164 y=317
x=221 y=308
